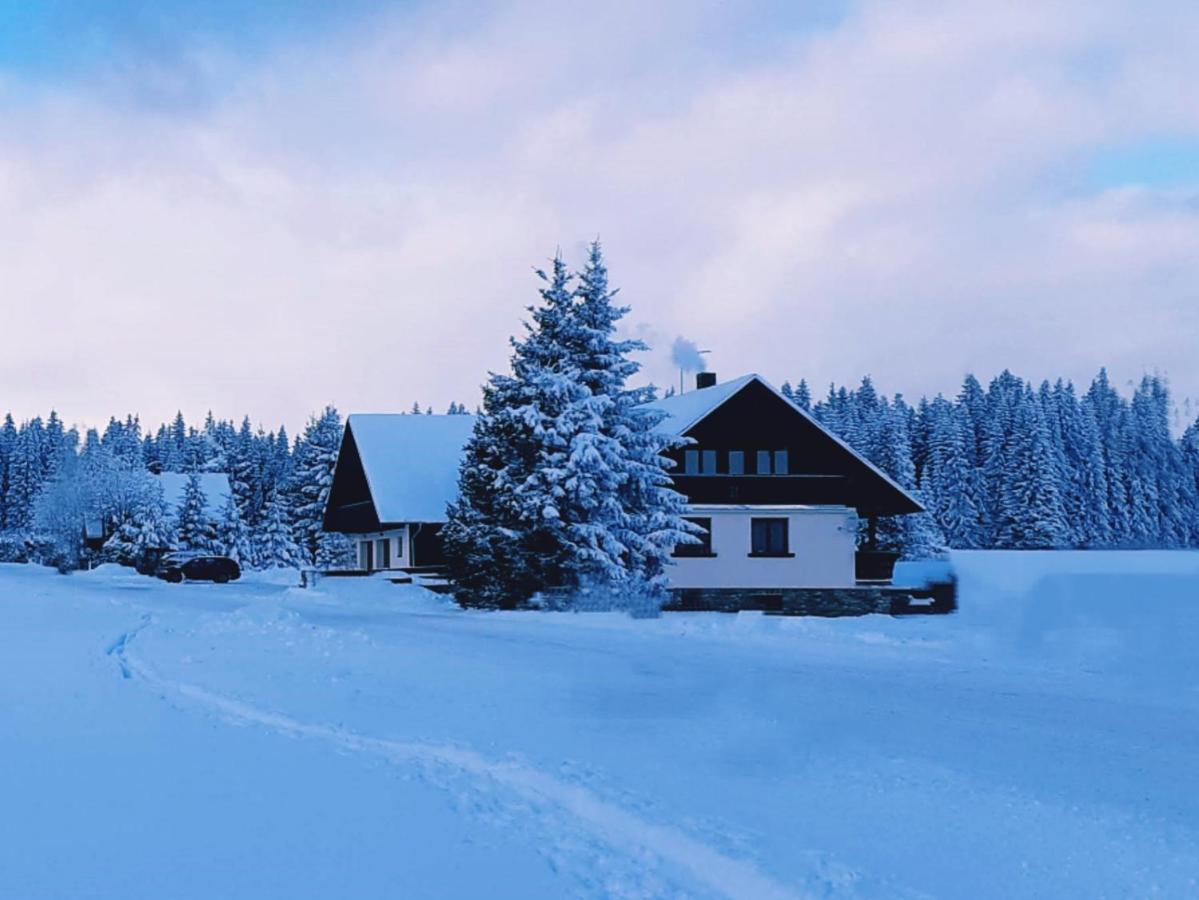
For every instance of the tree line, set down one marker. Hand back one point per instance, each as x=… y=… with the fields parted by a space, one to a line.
x=1019 y=466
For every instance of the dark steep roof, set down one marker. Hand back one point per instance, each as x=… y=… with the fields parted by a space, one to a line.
x=875 y=491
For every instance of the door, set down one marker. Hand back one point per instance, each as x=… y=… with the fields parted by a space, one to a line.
x=366 y=555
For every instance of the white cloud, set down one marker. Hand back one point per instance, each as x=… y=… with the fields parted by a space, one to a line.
x=355 y=219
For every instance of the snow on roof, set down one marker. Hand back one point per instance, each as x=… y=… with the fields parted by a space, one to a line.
x=215 y=486
x=411 y=462
x=683 y=411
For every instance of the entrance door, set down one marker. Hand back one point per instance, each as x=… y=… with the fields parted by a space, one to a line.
x=366 y=555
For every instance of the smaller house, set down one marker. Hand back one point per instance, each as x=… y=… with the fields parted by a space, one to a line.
x=214 y=485
x=395 y=474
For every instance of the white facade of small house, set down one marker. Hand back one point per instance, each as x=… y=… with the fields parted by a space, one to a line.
x=383 y=550
x=817 y=548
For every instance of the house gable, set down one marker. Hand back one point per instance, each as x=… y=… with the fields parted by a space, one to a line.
x=350 y=508
x=821 y=469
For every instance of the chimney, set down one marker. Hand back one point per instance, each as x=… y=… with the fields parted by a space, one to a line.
x=704 y=380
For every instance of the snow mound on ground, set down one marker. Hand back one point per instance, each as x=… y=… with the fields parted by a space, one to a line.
x=1130 y=612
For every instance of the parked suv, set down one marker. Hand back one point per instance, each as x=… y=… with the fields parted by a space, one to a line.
x=194 y=566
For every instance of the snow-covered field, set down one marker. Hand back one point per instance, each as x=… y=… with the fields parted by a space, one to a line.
x=366 y=740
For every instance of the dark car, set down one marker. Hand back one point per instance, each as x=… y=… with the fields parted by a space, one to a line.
x=178 y=567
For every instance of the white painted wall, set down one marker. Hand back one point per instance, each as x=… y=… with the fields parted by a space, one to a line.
x=823 y=540
x=400 y=549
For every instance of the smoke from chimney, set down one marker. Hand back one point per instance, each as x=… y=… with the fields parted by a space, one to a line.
x=685 y=354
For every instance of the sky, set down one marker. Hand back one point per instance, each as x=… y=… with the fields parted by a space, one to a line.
x=265 y=208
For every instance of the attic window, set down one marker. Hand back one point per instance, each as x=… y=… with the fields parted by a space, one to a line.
x=736 y=462
x=773 y=462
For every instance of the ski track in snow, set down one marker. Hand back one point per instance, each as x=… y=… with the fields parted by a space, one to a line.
x=613 y=826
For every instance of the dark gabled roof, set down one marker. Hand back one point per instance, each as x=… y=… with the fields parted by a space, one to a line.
x=685 y=411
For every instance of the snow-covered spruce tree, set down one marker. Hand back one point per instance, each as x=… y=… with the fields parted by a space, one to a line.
x=563 y=485
x=1033 y=518
x=194 y=528
x=915 y=536
x=8 y=465
x=1189 y=448
x=273 y=544
x=144 y=533
x=232 y=537
x=948 y=482
x=802 y=396
x=621 y=518
x=500 y=547
x=311 y=479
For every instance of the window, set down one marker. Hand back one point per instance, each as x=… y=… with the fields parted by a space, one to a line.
x=690 y=462
x=399 y=546
x=366 y=555
x=703 y=549
x=773 y=462
x=736 y=462
x=709 y=462
x=384 y=553
x=768 y=537
x=780 y=462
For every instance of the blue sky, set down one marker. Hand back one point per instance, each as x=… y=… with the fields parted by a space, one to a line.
x=1161 y=162
x=352 y=195
x=56 y=40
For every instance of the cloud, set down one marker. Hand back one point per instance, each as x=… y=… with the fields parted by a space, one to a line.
x=353 y=217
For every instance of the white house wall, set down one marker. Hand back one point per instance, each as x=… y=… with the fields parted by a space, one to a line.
x=401 y=550
x=822 y=539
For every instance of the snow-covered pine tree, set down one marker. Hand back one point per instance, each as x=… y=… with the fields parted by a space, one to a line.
x=1084 y=481
x=1030 y=498
x=803 y=396
x=311 y=478
x=915 y=536
x=274 y=547
x=8 y=468
x=145 y=533
x=564 y=485
x=232 y=538
x=621 y=517
x=194 y=528
x=1189 y=450
x=500 y=547
x=949 y=483
x=1110 y=411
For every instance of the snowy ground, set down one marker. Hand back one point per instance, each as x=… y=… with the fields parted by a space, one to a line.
x=367 y=740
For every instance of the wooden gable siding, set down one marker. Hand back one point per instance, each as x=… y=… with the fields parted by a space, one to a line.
x=350 y=508
x=822 y=471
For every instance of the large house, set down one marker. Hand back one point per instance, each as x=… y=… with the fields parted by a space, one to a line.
x=778 y=495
